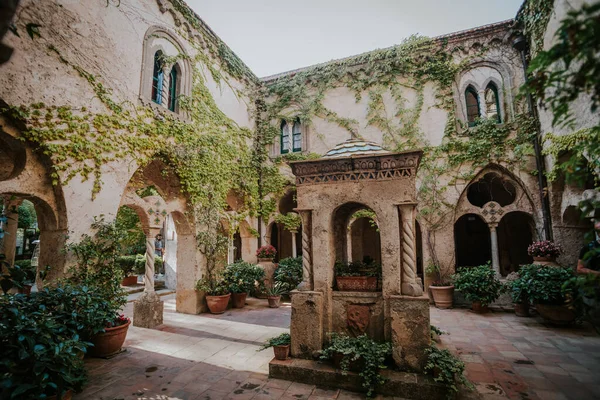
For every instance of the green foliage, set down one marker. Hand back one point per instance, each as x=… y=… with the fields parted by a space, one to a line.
x=27 y=215
x=533 y=17
x=134 y=238
x=14 y=276
x=446 y=369
x=435 y=331
x=357 y=268
x=478 y=284
x=288 y=273
x=290 y=221
x=362 y=349
x=585 y=289
x=243 y=277
x=442 y=275
x=277 y=289
x=544 y=284
x=213 y=286
x=282 y=340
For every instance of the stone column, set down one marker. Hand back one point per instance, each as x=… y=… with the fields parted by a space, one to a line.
x=9 y=242
x=148 y=308
x=294 y=250
x=495 y=252
x=164 y=100
x=307 y=265
x=411 y=286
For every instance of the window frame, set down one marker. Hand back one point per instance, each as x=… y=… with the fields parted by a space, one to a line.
x=492 y=86
x=283 y=135
x=471 y=90
x=157 y=78
x=295 y=135
x=173 y=81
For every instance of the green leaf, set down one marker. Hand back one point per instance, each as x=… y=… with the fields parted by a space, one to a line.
x=33 y=30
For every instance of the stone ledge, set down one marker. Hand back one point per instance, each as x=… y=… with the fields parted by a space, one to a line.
x=370 y=295
x=399 y=384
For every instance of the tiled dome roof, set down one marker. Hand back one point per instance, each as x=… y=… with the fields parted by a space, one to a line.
x=353 y=147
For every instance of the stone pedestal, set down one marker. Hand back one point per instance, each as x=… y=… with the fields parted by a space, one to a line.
x=148 y=310
x=269 y=267
x=306 y=327
x=409 y=326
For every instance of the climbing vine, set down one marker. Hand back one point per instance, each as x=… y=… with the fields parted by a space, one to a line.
x=533 y=18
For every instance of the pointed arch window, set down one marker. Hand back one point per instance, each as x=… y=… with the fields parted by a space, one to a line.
x=297 y=136
x=492 y=102
x=472 y=101
x=157 y=78
x=173 y=88
x=284 y=138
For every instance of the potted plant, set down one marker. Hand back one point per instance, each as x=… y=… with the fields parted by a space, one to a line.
x=517 y=286
x=274 y=294
x=480 y=286
x=266 y=253
x=242 y=277
x=360 y=354
x=217 y=293
x=128 y=265
x=547 y=289
x=544 y=251
x=288 y=273
x=441 y=287
x=280 y=345
x=357 y=276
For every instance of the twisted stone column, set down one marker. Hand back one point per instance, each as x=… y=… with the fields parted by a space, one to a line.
x=164 y=90
x=495 y=252
x=149 y=274
x=411 y=286
x=307 y=278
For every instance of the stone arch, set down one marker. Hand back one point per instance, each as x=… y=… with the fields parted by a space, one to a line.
x=13 y=157
x=471 y=241
x=341 y=221
x=516 y=231
x=363 y=239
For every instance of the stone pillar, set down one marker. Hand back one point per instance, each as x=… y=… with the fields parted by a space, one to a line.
x=294 y=250
x=409 y=325
x=148 y=308
x=164 y=100
x=307 y=264
x=495 y=251
x=411 y=285
x=306 y=327
x=9 y=242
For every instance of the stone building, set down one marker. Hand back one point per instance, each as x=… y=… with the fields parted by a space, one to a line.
x=99 y=90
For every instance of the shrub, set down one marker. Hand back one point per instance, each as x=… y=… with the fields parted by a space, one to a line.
x=361 y=349
x=447 y=369
x=140 y=263
x=545 y=284
x=544 y=248
x=214 y=286
x=478 y=284
x=586 y=297
x=127 y=264
x=289 y=273
x=242 y=277
x=267 y=251
x=282 y=340
x=24 y=264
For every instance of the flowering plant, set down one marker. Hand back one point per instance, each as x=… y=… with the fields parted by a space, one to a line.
x=267 y=251
x=544 y=248
x=120 y=320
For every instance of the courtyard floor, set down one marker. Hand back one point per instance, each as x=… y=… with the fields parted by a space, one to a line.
x=210 y=357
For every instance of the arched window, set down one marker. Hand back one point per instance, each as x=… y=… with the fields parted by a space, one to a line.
x=284 y=139
x=472 y=105
x=297 y=136
x=157 y=78
x=492 y=102
x=173 y=88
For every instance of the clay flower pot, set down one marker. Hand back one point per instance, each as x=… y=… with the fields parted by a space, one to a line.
x=129 y=280
x=65 y=396
x=218 y=304
x=26 y=289
x=546 y=259
x=281 y=351
x=110 y=341
x=274 y=301
x=239 y=300
x=556 y=314
x=356 y=283
x=478 y=308
x=522 y=309
x=442 y=296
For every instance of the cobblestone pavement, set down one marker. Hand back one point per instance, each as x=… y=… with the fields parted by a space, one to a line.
x=522 y=358
x=210 y=357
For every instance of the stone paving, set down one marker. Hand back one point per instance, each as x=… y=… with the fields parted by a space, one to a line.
x=212 y=357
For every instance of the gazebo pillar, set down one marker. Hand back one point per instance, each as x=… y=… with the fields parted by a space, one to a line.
x=411 y=286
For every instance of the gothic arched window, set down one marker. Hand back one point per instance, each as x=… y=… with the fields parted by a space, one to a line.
x=157 y=78
x=472 y=100
x=297 y=136
x=284 y=138
x=173 y=88
x=492 y=102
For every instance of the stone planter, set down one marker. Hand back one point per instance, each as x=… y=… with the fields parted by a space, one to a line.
x=442 y=296
x=65 y=396
x=522 y=309
x=356 y=283
x=274 y=301
x=109 y=342
x=551 y=261
x=269 y=267
x=479 y=308
x=556 y=314
x=218 y=304
x=129 y=280
x=281 y=351
x=239 y=299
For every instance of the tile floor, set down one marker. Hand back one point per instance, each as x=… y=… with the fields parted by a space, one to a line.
x=209 y=357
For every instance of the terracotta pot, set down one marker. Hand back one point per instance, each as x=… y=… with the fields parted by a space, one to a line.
x=556 y=314
x=274 y=301
x=218 y=304
x=239 y=300
x=478 y=308
x=522 y=309
x=442 y=296
x=543 y=258
x=109 y=342
x=281 y=352
x=26 y=289
x=129 y=280
x=65 y=396
x=356 y=283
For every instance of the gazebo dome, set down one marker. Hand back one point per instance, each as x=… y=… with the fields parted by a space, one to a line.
x=354 y=147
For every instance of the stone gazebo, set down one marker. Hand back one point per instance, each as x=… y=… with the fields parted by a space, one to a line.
x=352 y=176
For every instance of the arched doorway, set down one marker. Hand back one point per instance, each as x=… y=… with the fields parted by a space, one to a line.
x=472 y=241
x=515 y=233
x=356 y=234
x=274 y=239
